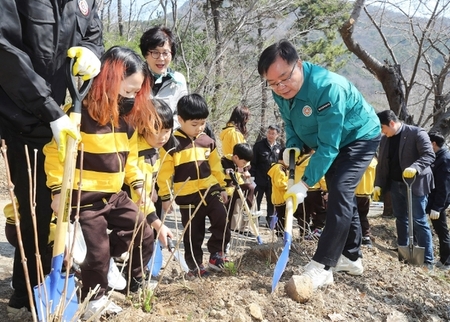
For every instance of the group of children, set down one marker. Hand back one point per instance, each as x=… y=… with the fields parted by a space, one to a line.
x=129 y=145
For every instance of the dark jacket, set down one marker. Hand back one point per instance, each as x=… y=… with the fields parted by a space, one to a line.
x=34 y=38
x=439 y=197
x=263 y=156
x=415 y=151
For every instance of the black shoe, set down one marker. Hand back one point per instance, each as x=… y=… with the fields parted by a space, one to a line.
x=366 y=241
x=17 y=302
x=135 y=284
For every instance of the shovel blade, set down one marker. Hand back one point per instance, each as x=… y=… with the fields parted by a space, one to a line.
x=49 y=296
x=412 y=254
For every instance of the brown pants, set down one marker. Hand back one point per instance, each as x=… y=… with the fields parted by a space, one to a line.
x=119 y=215
x=195 y=233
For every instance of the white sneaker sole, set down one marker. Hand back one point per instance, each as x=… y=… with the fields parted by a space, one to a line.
x=354 y=269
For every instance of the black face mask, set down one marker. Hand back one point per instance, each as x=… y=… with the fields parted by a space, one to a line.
x=125 y=105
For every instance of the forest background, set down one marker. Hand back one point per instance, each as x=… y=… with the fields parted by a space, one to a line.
x=395 y=51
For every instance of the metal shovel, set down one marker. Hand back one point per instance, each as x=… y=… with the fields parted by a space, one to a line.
x=411 y=253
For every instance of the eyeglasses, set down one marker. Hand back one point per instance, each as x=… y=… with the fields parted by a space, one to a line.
x=284 y=81
x=156 y=54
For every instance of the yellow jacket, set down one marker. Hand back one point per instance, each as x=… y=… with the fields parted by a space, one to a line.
x=149 y=163
x=11 y=219
x=301 y=164
x=279 y=178
x=110 y=160
x=197 y=160
x=365 y=186
x=229 y=137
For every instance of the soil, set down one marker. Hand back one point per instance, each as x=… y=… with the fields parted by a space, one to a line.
x=387 y=291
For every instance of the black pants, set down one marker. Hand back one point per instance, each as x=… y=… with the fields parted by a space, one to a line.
x=260 y=191
x=342 y=232
x=441 y=229
x=19 y=175
x=363 y=203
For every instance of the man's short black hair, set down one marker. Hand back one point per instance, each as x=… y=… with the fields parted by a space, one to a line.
x=192 y=107
x=283 y=48
x=386 y=117
x=274 y=127
x=436 y=136
x=243 y=151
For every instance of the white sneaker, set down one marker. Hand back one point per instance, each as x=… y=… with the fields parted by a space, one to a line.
x=115 y=279
x=350 y=267
x=104 y=305
x=319 y=276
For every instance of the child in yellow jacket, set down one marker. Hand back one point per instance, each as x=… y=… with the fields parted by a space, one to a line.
x=311 y=215
x=149 y=142
x=279 y=178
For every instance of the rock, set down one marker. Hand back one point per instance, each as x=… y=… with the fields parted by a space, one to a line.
x=255 y=311
x=299 y=288
x=240 y=317
x=396 y=316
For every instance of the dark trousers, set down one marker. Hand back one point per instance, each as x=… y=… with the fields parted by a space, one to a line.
x=363 y=203
x=281 y=215
x=120 y=215
x=19 y=175
x=441 y=229
x=314 y=212
x=260 y=191
x=342 y=232
x=195 y=233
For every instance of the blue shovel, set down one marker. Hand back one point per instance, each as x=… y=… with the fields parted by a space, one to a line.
x=156 y=261
x=56 y=299
x=284 y=257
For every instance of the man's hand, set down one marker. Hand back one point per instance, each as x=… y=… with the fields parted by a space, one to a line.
x=297 y=192
x=409 y=173
x=376 y=193
x=62 y=128
x=86 y=64
x=434 y=214
x=286 y=153
x=55 y=203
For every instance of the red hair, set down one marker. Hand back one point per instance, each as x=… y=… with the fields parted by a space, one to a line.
x=102 y=99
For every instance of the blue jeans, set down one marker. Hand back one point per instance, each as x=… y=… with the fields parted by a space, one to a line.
x=422 y=231
x=342 y=232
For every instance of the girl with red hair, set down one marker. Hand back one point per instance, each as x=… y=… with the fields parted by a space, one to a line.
x=116 y=104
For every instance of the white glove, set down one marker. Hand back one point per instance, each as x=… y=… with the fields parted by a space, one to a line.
x=286 y=153
x=297 y=192
x=86 y=64
x=434 y=214
x=376 y=193
x=61 y=128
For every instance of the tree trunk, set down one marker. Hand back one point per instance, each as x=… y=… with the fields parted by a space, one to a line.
x=215 y=10
x=387 y=74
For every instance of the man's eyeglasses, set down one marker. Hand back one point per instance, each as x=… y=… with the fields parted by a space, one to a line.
x=284 y=81
x=156 y=54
